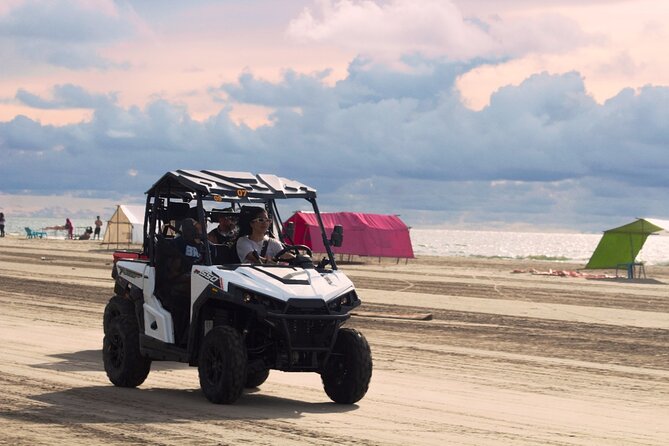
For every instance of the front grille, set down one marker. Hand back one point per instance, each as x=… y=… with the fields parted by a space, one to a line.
x=306 y=306
x=310 y=333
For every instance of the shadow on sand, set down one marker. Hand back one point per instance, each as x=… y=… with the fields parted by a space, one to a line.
x=110 y=404
x=91 y=361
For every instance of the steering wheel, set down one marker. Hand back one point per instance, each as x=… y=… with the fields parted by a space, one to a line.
x=293 y=249
x=325 y=261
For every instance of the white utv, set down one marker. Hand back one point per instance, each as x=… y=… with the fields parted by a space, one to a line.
x=245 y=319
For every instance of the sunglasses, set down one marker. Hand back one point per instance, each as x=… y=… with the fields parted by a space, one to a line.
x=262 y=220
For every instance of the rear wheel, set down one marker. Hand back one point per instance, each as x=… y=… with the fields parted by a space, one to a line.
x=222 y=365
x=255 y=379
x=117 y=305
x=347 y=373
x=124 y=364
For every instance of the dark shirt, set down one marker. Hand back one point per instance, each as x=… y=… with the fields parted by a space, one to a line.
x=223 y=251
x=222 y=239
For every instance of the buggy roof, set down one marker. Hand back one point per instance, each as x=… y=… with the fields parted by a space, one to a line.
x=220 y=185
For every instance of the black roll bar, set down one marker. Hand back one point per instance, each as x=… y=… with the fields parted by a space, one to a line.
x=326 y=241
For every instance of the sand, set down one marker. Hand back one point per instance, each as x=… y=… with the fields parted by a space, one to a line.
x=510 y=359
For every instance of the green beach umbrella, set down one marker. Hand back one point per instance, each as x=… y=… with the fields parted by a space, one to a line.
x=621 y=245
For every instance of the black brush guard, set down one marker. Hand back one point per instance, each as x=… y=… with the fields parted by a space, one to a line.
x=309 y=331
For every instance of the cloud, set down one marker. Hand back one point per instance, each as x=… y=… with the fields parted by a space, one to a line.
x=65 y=33
x=379 y=140
x=294 y=90
x=65 y=96
x=433 y=29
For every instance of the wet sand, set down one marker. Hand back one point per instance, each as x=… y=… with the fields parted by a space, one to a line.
x=512 y=359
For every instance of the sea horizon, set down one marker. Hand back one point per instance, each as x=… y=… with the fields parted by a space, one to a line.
x=449 y=242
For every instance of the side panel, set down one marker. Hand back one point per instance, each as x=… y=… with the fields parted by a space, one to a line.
x=157 y=320
x=133 y=272
x=201 y=277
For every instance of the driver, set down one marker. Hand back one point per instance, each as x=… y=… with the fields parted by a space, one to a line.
x=253 y=244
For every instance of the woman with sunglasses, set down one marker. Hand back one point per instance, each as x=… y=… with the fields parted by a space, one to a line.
x=253 y=244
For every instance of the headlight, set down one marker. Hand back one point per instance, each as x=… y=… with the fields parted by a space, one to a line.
x=345 y=300
x=253 y=298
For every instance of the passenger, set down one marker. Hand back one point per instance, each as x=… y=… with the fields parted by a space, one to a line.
x=222 y=238
x=226 y=231
x=254 y=245
x=187 y=252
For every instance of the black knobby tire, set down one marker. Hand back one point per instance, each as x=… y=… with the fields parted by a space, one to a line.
x=347 y=373
x=255 y=379
x=222 y=365
x=124 y=364
x=117 y=305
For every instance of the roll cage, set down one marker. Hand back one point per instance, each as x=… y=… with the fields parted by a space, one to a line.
x=216 y=188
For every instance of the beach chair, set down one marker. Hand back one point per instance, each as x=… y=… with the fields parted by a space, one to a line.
x=34 y=234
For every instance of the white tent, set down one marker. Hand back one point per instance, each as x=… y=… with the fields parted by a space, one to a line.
x=126 y=226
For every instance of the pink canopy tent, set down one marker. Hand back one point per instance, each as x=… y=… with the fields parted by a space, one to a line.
x=371 y=235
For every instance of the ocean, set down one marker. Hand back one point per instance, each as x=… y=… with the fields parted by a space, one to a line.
x=568 y=247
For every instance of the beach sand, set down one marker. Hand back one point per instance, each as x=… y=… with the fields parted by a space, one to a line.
x=507 y=358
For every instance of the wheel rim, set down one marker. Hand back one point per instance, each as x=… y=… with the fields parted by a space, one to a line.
x=213 y=365
x=340 y=371
x=116 y=350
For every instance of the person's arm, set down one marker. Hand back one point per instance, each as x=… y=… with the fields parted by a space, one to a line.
x=245 y=250
x=212 y=236
x=274 y=248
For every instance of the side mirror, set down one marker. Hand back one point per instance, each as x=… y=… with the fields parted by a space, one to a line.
x=289 y=230
x=337 y=237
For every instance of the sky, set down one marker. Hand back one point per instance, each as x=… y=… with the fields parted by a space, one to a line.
x=505 y=114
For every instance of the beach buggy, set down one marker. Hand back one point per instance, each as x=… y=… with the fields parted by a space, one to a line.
x=245 y=319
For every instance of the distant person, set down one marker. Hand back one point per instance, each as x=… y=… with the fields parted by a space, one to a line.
x=2 y=224
x=87 y=234
x=254 y=245
x=98 y=225
x=69 y=227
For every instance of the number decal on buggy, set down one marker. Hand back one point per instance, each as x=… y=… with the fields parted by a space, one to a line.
x=241 y=193
x=217 y=198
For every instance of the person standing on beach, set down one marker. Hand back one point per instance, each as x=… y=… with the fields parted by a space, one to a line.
x=2 y=224
x=98 y=225
x=70 y=228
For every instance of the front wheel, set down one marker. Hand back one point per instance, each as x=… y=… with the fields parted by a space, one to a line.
x=222 y=365
x=116 y=306
x=123 y=361
x=347 y=372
